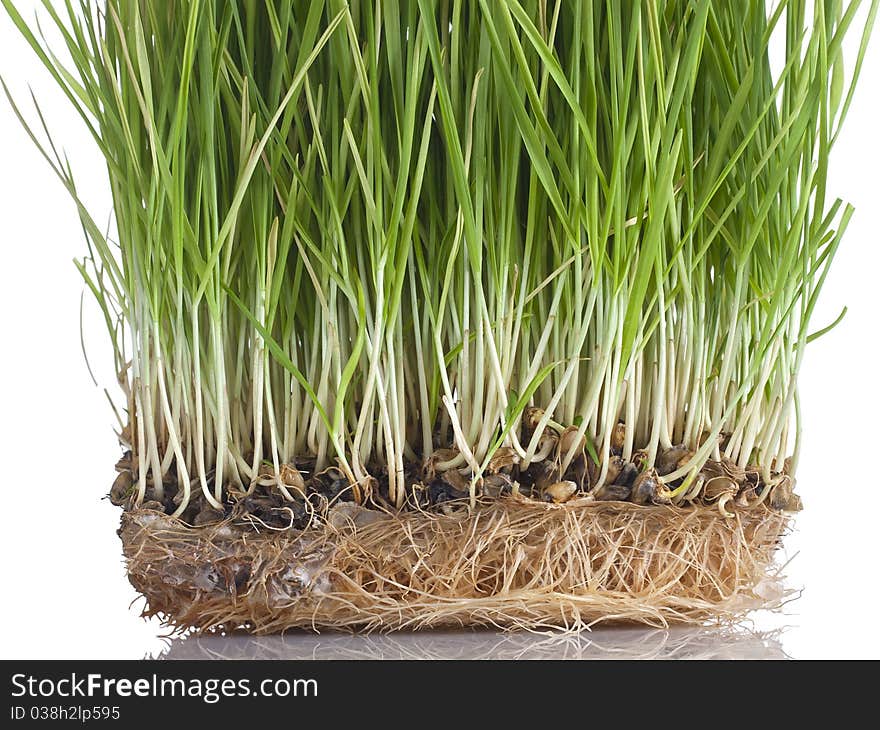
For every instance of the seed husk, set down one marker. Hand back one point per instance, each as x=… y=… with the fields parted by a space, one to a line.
x=503 y=459
x=122 y=488
x=726 y=467
x=494 y=485
x=649 y=489
x=291 y=477
x=721 y=489
x=127 y=462
x=615 y=466
x=570 y=440
x=559 y=492
x=612 y=492
x=547 y=445
x=429 y=470
x=627 y=475
x=782 y=496
x=458 y=479
x=579 y=472
x=531 y=417
x=545 y=473
x=672 y=458
x=718 y=487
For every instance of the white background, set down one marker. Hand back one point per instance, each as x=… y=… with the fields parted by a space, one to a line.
x=64 y=588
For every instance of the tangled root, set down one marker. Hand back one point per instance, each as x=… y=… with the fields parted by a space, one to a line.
x=507 y=563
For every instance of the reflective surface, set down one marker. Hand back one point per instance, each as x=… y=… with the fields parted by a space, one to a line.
x=601 y=643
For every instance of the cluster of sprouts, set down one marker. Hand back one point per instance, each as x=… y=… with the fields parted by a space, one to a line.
x=369 y=235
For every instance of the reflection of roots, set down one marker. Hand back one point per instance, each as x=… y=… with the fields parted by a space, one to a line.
x=506 y=563
x=680 y=642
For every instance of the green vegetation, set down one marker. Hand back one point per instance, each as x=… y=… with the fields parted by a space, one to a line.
x=356 y=234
